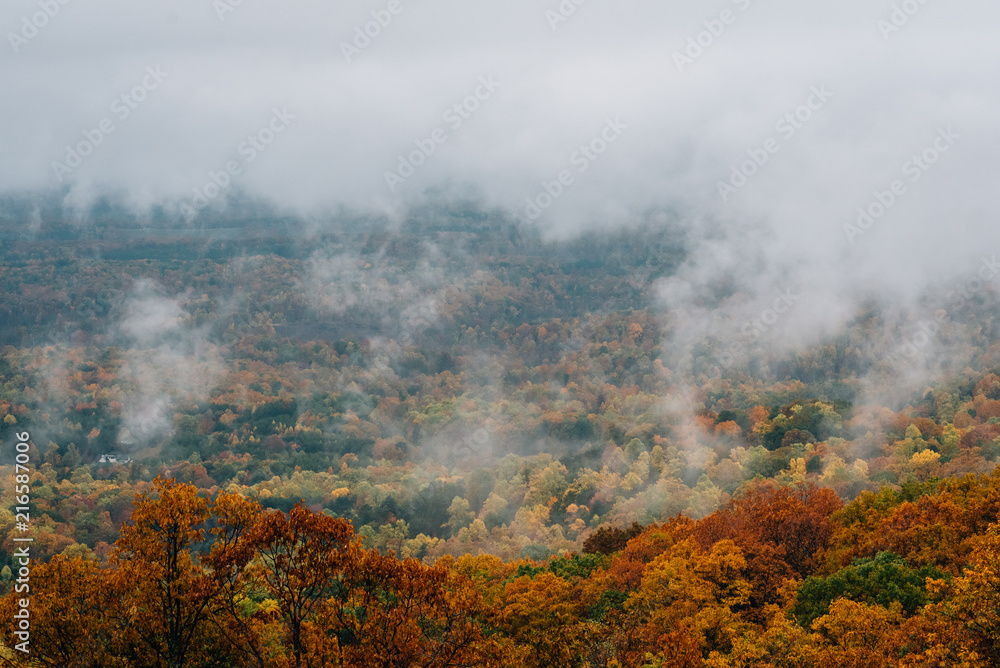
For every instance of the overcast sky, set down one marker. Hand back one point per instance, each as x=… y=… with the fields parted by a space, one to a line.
x=675 y=117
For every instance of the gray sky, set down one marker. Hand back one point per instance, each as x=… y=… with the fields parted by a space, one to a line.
x=681 y=125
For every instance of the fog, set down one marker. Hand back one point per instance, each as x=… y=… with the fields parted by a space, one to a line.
x=553 y=86
x=768 y=128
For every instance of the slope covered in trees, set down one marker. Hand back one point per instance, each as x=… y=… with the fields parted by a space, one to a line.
x=781 y=576
x=495 y=445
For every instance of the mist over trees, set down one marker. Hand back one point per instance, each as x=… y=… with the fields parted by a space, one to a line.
x=461 y=414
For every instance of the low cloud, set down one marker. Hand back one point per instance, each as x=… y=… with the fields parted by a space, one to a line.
x=845 y=100
x=165 y=360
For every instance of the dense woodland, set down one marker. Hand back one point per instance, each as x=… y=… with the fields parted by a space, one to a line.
x=452 y=442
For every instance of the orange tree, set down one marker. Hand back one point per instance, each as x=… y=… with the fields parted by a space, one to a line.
x=70 y=622
x=163 y=599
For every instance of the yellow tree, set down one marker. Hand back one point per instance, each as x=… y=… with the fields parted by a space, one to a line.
x=856 y=635
x=975 y=597
x=299 y=559
x=164 y=598
x=687 y=601
x=244 y=623
x=539 y=613
x=69 y=618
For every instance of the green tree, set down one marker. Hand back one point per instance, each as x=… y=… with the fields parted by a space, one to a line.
x=884 y=580
x=460 y=515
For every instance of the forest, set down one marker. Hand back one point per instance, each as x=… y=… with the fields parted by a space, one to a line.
x=453 y=441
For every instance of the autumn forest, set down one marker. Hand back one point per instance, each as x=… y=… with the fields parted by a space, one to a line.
x=452 y=440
